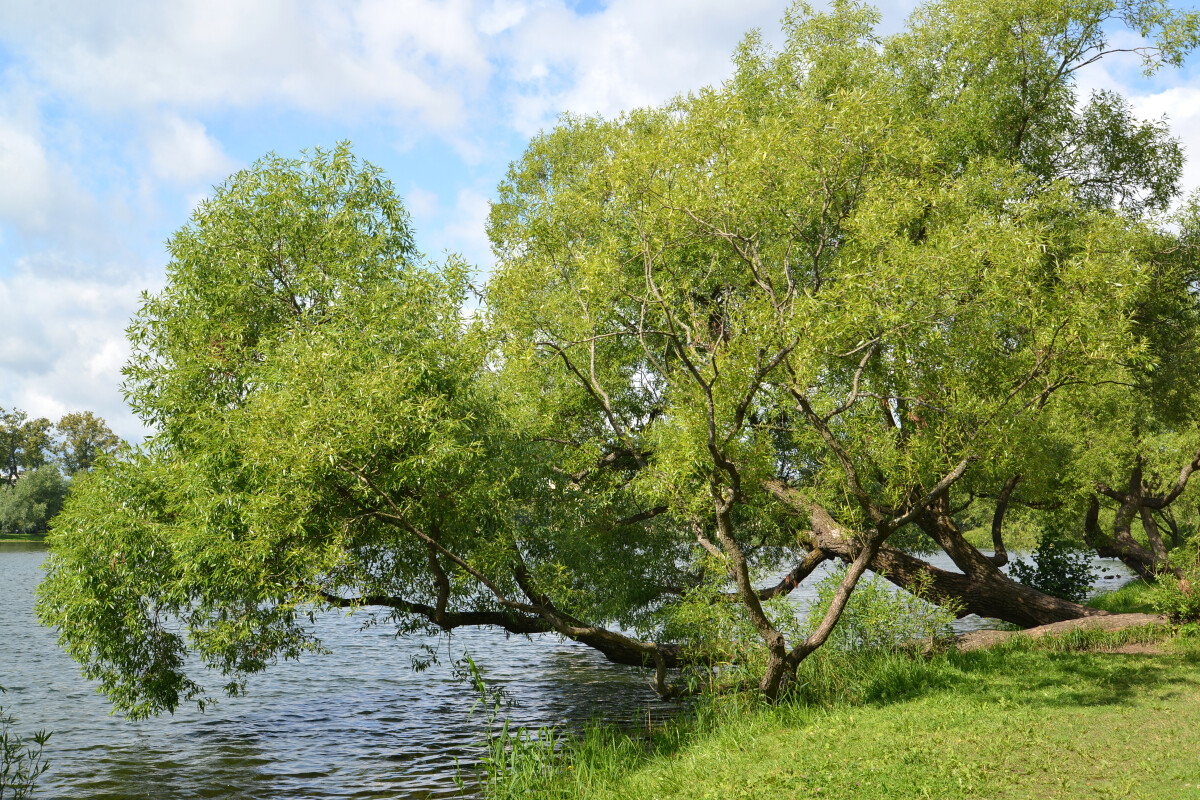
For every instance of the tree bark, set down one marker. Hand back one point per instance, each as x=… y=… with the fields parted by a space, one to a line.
x=1138 y=500
x=982 y=590
x=999 y=554
x=1121 y=544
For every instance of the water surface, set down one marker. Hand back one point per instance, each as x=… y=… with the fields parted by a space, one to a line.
x=358 y=723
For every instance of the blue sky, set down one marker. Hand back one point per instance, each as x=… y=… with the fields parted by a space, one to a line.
x=115 y=118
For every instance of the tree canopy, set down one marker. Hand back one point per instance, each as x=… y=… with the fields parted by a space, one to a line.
x=83 y=439
x=39 y=457
x=801 y=316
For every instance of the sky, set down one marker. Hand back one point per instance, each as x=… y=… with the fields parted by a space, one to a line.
x=116 y=118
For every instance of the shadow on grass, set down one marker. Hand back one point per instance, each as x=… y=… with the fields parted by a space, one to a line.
x=1030 y=674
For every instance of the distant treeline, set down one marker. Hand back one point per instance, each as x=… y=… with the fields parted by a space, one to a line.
x=38 y=458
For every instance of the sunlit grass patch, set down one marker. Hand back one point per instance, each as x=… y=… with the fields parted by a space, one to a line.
x=1132 y=598
x=1066 y=717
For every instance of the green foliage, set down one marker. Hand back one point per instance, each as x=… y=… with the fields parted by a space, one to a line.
x=27 y=508
x=878 y=619
x=300 y=365
x=723 y=646
x=1059 y=568
x=879 y=616
x=27 y=444
x=24 y=443
x=83 y=438
x=21 y=762
x=1179 y=597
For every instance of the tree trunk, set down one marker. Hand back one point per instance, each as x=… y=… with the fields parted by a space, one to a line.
x=983 y=590
x=1121 y=544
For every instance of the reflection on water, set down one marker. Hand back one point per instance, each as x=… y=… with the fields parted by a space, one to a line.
x=359 y=723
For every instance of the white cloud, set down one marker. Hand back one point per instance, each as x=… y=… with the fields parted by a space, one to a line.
x=181 y=151
x=419 y=56
x=35 y=190
x=64 y=346
x=1181 y=107
x=502 y=15
x=628 y=55
x=434 y=59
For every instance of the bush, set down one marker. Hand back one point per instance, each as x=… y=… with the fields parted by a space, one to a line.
x=1059 y=569
x=21 y=763
x=879 y=616
x=1179 y=597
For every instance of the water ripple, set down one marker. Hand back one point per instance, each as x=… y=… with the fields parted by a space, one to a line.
x=358 y=723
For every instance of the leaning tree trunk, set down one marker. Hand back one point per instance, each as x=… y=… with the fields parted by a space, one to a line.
x=980 y=589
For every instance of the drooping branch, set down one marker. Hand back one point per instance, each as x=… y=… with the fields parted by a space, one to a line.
x=440 y=580
x=641 y=516
x=789 y=582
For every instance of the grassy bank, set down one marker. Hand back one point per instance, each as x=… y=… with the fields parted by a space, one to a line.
x=1103 y=715
x=21 y=538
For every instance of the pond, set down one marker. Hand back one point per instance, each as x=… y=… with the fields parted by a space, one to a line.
x=359 y=723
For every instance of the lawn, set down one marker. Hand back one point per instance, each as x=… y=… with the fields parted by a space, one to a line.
x=1017 y=724
x=1021 y=720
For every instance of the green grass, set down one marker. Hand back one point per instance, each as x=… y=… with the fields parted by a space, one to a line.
x=1022 y=720
x=21 y=537
x=1132 y=598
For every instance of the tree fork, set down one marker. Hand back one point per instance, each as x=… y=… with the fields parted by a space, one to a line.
x=986 y=593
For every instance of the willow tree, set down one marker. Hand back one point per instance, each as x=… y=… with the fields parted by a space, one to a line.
x=1129 y=451
x=776 y=322
x=1130 y=442
x=837 y=285
x=327 y=436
